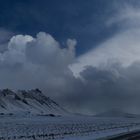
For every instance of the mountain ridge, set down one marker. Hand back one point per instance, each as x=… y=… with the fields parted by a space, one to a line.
x=28 y=102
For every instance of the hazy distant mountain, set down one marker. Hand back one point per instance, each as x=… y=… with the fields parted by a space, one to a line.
x=117 y=113
x=27 y=102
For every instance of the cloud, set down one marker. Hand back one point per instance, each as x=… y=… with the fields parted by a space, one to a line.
x=104 y=89
x=126 y=16
x=5 y=36
x=122 y=47
x=110 y=71
x=35 y=62
x=106 y=77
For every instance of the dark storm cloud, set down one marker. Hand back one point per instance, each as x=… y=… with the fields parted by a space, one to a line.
x=104 y=89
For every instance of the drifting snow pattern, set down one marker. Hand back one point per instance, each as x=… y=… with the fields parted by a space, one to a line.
x=67 y=128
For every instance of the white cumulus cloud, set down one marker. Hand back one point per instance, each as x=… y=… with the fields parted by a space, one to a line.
x=30 y=62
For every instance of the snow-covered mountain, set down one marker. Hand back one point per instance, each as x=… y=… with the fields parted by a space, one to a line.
x=28 y=102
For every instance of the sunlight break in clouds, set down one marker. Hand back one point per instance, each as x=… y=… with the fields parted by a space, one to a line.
x=123 y=47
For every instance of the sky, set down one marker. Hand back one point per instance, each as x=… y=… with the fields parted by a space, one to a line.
x=83 y=54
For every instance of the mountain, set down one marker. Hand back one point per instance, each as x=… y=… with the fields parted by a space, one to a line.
x=117 y=113
x=28 y=102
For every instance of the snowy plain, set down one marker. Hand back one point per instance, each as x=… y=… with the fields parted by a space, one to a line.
x=30 y=115
x=64 y=128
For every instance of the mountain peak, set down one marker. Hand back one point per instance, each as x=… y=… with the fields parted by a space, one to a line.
x=31 y=101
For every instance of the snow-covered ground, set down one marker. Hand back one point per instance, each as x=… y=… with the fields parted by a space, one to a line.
x=66 y=128
x=31 y=115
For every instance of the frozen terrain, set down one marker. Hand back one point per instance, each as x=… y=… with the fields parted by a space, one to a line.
x=30 y=115
x=23 y=102
x=67 y=128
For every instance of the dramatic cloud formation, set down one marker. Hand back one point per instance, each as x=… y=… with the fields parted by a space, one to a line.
x=35 y=62
x=106 y=77
x=104 y=89
x=111 y=70
x=123 y=47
